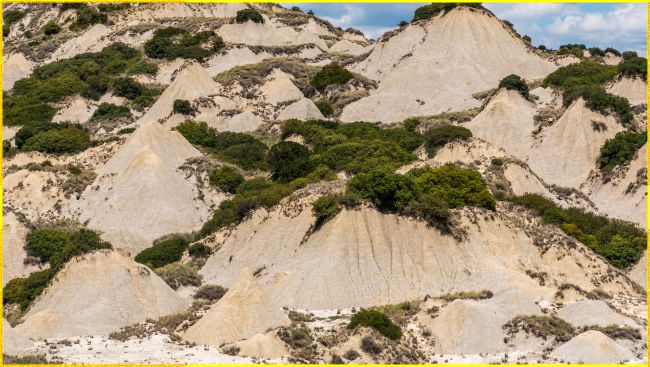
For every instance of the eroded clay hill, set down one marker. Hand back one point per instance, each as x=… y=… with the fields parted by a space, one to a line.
x=141 y=193
x=97 y=294
x=430 y=66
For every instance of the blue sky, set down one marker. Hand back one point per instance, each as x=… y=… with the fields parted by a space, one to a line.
x=622 y=26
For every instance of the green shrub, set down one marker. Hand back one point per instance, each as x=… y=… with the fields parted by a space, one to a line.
x=238 y=148
x=245 y=15
x=46 y=242
x=613 y=51
x=324 y=107
x=577 y=50
x=436 y=138
x=163 y=252
x=32 y=129
x=89 y=74
x=620 y=149
x=331 y=74
x=107 y=8
x=23 y=291
x=178 y=275
x=357 y=155
x=542 y=327
x=584 y=72
x=595 y=51
x=170 y=43
x=288 y=160
x=514 y=82
x=143 y=67
x=326 y=207
x=183 y=107
x=51 y=28
x=429 y=11
x=210 y=292
x=226 y=178
x=7 y=149
x=527 y=38
x=87 y=16
x=411 y=124
x=127 y=88
x=199 y=250
x=496 y=162
x=619 y=242
x=629 y=55
x=457 y=186
x=126 y=130
x=109 y=111
x=60 y=141
x=377 y=321
x=634 y=67
x=12 y=16
x=430 y=208
x=217 y=43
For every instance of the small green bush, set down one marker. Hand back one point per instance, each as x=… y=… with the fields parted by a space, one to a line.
x=143 y=67
x=620 y=149
x=324 y=107
x=170 y=43
x=376 y=320
x=238 y=148
x=183 y=107
x=67 y=140
x=226 y=178
x=245 y=15
x=126 y=130
x=542 y=327
x=288 y=160
x=109 y=111
x=23 y=291
x=32 y=129
x=429 y=11
x=514 y=82
x=577 y=50
x=127 y=88
x=51 y=28
x=496 y=162
x=326 y=207
x=178 y=275
x=87 y=16
x=411 y=124
x=619 y=242
x=163 y=252
x=629 y=55
x=595 y=51
x=210 y=292
x=331 y=74
x=199 y=250
x=436 y=138
x=634 y=67
x=46 y=242
x=613 y=51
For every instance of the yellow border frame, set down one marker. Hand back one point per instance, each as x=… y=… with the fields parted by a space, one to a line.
x=314 y=1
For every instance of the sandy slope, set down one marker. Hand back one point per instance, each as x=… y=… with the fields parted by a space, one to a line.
x=98 y=293
x=14 y=67
x=635 y=90
x=268 y=34
x=435 y=66
x=363 y=258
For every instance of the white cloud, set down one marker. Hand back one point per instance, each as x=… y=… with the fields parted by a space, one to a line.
x=528 y=11
x=353 y=15
x=623 y=21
